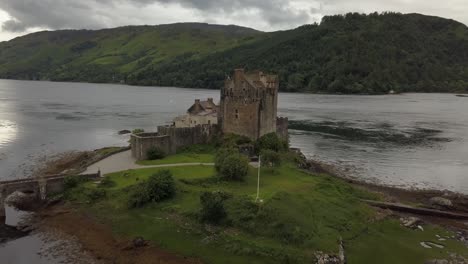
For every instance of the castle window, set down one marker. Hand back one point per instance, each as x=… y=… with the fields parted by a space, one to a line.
x=237 y=114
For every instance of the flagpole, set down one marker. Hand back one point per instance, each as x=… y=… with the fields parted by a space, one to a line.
x=258 y=177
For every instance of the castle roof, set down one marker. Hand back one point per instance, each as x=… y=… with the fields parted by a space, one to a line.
x=203 y=107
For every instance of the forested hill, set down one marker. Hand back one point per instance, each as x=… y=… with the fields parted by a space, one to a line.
x=355 y=53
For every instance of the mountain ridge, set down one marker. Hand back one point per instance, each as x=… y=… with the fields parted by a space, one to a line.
x=352 y=53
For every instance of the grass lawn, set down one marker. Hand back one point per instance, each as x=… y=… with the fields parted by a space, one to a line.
x=180 y=158
x=191 y=154
x=300 y=214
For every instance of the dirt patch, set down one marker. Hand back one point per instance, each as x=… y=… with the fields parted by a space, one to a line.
x=99 y=241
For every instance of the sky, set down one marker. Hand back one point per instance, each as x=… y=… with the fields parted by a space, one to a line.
x=20 y=17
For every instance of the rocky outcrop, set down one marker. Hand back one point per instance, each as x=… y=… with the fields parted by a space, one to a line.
x=440 y=203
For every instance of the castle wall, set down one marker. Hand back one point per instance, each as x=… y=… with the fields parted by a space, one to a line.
x=170 y=139
x=142 y=142
x=240 y=117
x=282 y=127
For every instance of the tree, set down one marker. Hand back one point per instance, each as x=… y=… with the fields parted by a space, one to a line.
x=212 y=209
x=158 y=187
x=272 y=142
x=234 y=167
x=221 y=155
x=270 y=158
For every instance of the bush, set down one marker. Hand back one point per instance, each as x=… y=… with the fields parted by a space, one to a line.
x=221 y=156
x=72 y=181
x=213 y=210
x=137 y=131
x=155 y=153
x=270 y=158
x=106 y=182
x=234 y=167
x=95 y=194
x=272 y=142
x=233 y=140
x=158 y=187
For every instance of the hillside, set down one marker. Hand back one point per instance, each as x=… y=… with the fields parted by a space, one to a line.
x=109 y=55
x=367 y=54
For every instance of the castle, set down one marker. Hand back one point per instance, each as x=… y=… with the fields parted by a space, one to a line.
x=248 y=107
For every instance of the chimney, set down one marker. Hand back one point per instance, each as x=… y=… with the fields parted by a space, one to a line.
x=210 y=100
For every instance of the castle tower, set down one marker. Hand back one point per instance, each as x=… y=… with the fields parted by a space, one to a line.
x=248 y=104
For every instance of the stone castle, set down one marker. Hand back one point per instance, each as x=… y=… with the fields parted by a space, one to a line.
x=248 y=107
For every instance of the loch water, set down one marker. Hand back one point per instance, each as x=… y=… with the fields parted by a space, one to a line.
x=408 y=140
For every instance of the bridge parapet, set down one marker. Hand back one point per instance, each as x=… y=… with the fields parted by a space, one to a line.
x=40 y=186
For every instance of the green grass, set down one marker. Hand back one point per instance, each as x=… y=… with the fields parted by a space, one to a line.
x=180 y=158
x=192 y=154
x=300 y=214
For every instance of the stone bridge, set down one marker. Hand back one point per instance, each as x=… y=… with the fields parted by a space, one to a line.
x=41 y=187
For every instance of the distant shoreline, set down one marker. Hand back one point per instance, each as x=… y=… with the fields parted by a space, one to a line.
x=462 y=94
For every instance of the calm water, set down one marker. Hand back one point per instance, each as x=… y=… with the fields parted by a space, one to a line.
x=38 y=119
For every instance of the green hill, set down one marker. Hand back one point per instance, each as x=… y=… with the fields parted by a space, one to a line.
x=354 y=53
x=109 y=55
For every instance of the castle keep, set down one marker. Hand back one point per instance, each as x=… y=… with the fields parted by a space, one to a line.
x=248 y=104
x=248 y=107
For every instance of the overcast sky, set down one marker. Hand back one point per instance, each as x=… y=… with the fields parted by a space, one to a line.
x=18 y=17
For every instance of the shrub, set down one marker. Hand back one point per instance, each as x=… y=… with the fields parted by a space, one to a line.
x=95 y=194
x=106 y=182
x=155 y=153
x=270 y=158
x=221 y=156
x=234 y=167
x=72 y=181
x=137 y=131
x=272 y=142
x=158 y=187
x=213 y=210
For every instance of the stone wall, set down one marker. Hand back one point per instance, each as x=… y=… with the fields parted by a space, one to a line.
x=169 y=139
x=282 y=124
x=142 y=142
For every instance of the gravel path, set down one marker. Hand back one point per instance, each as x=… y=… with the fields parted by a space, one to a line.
x=124 y=161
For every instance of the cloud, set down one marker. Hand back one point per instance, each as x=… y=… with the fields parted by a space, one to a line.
x=25 y=15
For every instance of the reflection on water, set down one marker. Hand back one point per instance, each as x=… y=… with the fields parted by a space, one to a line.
x=8 y=132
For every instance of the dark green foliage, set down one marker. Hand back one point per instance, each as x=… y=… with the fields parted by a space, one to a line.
x=137 y=131
x=94 y=195
x=155 y=153
x=272 y=142
x=234 y=167
x=221 y=155
x=270 y=158
x=212 y=210
x=233 y=140
x=352 y=54
x=158 y=187
x=72 y=181
x=106 y=182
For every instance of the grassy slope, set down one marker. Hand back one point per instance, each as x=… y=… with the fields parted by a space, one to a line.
x=125 y=49
x=300 y=214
